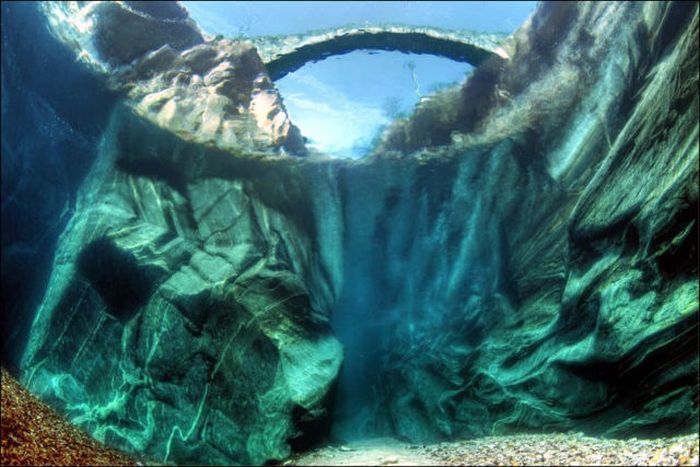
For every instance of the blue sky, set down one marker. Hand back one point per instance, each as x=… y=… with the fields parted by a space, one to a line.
x=343 y=102
x=273 y=18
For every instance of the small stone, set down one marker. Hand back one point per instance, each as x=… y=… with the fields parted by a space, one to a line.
x=389 y=460
x=345 y=448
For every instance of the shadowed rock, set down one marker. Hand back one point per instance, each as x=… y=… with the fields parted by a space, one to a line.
x=121 y=34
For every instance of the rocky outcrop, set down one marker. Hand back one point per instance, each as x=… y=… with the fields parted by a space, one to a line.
x=558 y=57
x=568 y=298
x=180 y=320
x=526 y=265
x=210 y=90
x=223 y=98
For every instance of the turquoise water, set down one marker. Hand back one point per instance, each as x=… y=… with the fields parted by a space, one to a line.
x=236 y=231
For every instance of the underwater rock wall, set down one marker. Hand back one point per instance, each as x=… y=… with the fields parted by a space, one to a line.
x=566 y=297
x=186 y=316
x=520 y=256
x=51 y=125
x=179 y=320
x=426 y=282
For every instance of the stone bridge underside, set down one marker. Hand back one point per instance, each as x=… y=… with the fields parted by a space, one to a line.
x=285 y=54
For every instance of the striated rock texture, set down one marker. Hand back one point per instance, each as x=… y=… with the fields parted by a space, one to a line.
x=518 y=256
x=546 y=274
x=180 y=320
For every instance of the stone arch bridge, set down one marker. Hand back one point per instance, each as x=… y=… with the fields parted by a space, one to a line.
x=285 y=54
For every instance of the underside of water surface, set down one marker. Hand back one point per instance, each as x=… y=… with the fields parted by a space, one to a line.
x=188 y=278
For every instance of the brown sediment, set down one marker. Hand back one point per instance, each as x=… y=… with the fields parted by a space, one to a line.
x=32 y=433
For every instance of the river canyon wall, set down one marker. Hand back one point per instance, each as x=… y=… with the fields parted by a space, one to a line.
x=520 y=254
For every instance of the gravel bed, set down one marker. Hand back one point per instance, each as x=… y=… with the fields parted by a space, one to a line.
x=539 y=449
x=566 y=449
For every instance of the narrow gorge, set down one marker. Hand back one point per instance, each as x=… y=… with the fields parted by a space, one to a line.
x=519 y=255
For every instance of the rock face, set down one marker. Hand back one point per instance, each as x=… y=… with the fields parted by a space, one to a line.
x=179 y=320
x=548 y=269
x=520 y=256
x=51 y=125
x=123 y=33
x=223 y=98
x=213 y=91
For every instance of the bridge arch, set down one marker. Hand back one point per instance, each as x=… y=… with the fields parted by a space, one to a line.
x=283 y=55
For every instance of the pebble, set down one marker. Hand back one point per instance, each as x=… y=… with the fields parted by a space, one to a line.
x=540 y=449
x=568 y=449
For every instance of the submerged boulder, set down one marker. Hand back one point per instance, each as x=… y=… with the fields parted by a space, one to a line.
x=179 y=321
